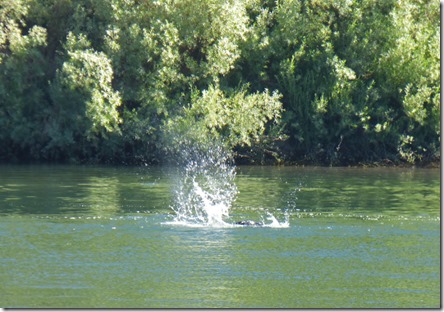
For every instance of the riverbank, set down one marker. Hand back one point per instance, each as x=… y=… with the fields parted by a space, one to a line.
x=430 y=162
x=433 y=164
x=305 y=81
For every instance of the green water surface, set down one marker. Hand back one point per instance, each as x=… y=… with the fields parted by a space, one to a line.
x=95 y=237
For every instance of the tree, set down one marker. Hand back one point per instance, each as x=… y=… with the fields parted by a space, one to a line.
x=112 y=80
x=84 y=102
x=236 y=119
x=412 y=70
x=23 y=100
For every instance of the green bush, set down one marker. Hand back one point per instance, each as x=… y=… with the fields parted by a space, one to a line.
x=125 y=81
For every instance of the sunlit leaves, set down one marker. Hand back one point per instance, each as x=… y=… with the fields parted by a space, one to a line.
x=235 y=118
x=124 y=73
x=22 y=80
x=347 y=66
x=87 y=75
x=412 y=65
x=240 y=117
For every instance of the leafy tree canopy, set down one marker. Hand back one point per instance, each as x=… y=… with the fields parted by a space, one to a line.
x=306 y=81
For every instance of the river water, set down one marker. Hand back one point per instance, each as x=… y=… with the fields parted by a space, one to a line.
x=104 y=237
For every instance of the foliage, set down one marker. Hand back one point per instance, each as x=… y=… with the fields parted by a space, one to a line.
x=22 y=82
x=126 y=81
x=83 y=88
x=236 y=119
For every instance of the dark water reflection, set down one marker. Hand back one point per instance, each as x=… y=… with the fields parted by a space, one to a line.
x=82 y=189
x=376 y=190
x=78 y=237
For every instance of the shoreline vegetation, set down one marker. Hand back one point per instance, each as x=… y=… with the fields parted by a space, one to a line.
x=287 y=82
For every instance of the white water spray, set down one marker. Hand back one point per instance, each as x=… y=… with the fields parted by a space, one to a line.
x=206 y=190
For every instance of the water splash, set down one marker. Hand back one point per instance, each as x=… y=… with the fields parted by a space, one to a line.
x=206 y=189
x=275 y=223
